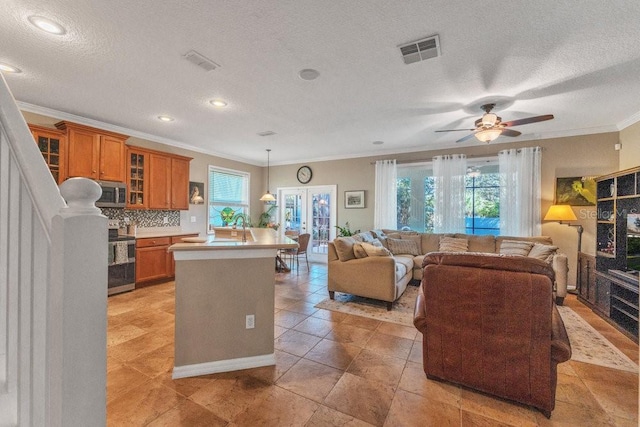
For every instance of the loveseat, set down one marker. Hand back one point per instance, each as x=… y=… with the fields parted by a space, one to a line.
x=384 y=274
x=489 y=322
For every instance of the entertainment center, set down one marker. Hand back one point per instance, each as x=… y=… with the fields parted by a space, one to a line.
x=611 y=288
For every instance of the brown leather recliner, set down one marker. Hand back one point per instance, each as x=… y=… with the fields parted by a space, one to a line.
x=489 y=323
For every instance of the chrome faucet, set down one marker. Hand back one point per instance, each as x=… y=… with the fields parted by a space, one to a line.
x=244 y=226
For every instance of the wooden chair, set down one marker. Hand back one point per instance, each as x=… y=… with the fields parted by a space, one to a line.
x=303 y=242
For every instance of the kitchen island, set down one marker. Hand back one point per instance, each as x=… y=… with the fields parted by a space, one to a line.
x=221 y=283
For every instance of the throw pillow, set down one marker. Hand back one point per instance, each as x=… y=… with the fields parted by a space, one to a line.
x=359 y=251
x=377 y=233
x=375 y=250
x=403 y=246
x=542 y=252
x=515 y=247
x=453 y=244
x=376 y=242
x=416 y=238
x=344 y=248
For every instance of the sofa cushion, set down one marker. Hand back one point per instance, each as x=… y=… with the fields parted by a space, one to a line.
x=545 y=240
x=359 y=251
x=344 y=248
x=453 y=244
x=403 y=246
x=405 y=260
x=542 y=252
x=515 y=247
x=375 y=250
x=479 y=243
x=430 y=242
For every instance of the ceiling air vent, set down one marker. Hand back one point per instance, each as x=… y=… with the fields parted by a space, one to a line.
x=267 y=133
x=201 y=61
x=420 y=50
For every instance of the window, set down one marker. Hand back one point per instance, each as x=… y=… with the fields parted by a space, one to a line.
x=416 y=198
x=228 y=195
x=482 y=199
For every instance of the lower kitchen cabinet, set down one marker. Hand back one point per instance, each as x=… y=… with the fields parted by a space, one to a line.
x=152 y=259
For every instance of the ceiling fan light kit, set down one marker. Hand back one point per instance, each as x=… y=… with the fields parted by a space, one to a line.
x=488 y=135
x=490 y=126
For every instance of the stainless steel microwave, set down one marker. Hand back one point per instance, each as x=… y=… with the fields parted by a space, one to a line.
x=114 y=194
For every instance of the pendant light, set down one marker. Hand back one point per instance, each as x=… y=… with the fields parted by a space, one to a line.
x=268 y=197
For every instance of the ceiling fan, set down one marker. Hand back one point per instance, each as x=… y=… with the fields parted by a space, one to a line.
x=490 y=126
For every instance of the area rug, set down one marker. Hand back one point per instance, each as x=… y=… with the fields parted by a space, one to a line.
x=590 y=346
x=587 y=344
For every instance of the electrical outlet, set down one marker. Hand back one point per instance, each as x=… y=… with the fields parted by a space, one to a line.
x=166 y=220
x=250 y=321
x=126 y=219
x=193 y=219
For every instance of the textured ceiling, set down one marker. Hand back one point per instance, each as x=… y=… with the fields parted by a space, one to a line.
x=121 y=63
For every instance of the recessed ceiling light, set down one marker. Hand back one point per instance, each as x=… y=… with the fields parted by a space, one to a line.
x=9 y=68
x=308 y=74
x=378 y=142
x=165 y=118
x=47 y=25
x=218 y=103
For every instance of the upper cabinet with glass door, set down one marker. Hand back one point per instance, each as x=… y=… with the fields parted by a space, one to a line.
x=52 y=143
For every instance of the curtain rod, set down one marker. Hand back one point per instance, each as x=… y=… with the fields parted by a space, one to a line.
x=483 y=156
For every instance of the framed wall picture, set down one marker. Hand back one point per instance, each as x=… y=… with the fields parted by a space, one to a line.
x=354 y=199
x=576 y=191
x=196 y=193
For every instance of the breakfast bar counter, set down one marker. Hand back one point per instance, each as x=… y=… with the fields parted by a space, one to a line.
x=225 y=301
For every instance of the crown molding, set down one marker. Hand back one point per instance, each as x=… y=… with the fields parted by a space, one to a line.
x=629 y=121
x=61 y=115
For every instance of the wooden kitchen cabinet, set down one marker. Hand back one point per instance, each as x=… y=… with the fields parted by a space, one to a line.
x=52 y=143
x=179 y=183
x=137 y=178
x=152 y=259
x=168 y=181
x=94 y=153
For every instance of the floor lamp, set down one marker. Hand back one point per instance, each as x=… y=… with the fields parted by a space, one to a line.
x=565 y=213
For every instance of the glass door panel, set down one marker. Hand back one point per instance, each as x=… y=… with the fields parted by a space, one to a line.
x=310 y=210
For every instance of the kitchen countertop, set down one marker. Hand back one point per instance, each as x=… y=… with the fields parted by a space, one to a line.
x=259 y=238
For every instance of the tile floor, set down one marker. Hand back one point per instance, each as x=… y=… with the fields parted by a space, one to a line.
x=332 y=369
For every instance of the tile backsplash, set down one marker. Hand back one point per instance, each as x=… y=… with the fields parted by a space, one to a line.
x=145 y=218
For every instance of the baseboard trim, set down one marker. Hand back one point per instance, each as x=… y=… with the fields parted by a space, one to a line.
x=223 y=366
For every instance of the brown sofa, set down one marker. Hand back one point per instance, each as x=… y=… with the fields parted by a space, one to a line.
x=490 y=323
x=386 y=278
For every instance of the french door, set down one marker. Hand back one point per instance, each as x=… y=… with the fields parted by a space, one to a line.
x=310 y=210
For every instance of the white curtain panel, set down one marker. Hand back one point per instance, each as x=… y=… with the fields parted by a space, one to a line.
x=520 y=172
x=449 y=173
x=385 y=211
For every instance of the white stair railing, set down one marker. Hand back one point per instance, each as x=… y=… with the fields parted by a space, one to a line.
x=53 y=287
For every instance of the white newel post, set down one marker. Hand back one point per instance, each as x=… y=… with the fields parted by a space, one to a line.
x=78 y=357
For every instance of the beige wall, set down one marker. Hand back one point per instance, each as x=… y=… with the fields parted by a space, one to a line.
x=630 y=151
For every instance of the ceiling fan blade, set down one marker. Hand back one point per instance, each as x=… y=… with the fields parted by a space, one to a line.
x=528 y=120
x=510 y=132
x=466 y=137
x=455 y=130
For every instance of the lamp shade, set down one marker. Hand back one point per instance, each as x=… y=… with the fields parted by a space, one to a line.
x=560 y=213
x=268 y=197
